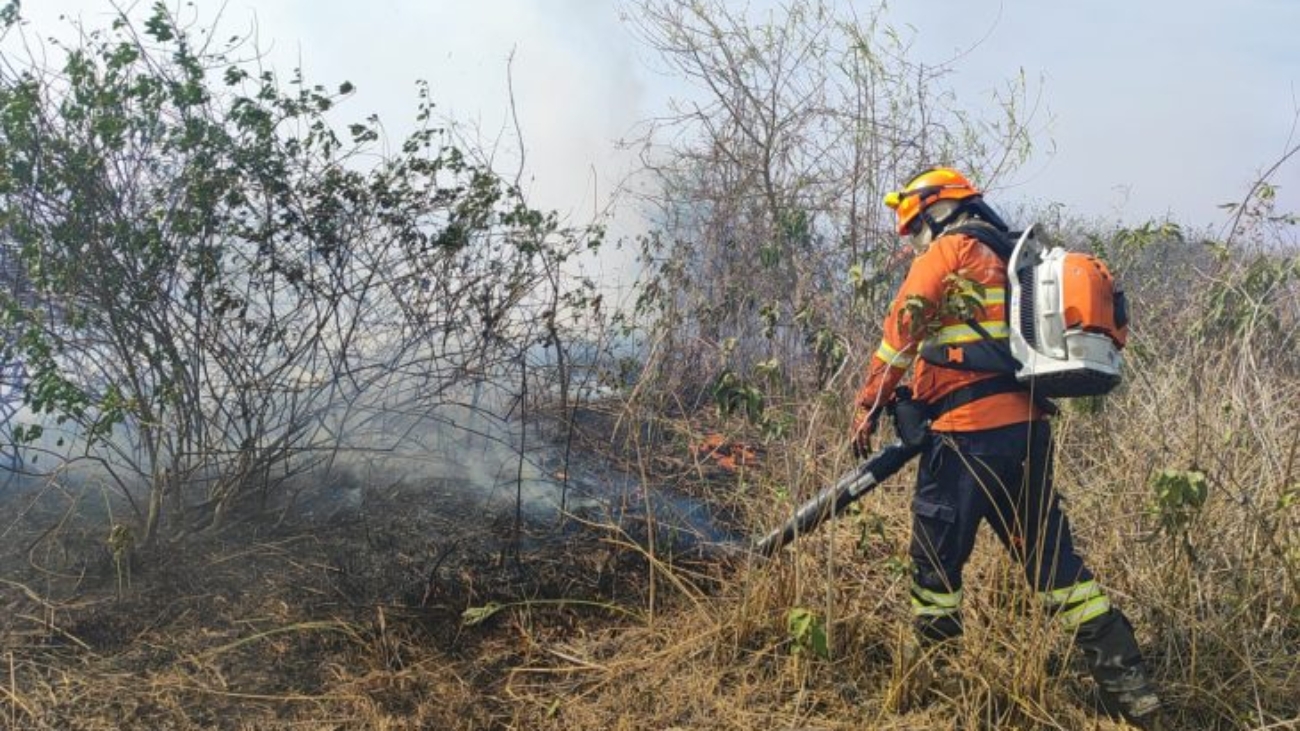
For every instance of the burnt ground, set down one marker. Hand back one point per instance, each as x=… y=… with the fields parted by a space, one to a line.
x=335 y=614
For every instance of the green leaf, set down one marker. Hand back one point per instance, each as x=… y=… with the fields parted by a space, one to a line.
x=158 y=26
x=1178 y=498
x=235 y=75
x=477 y=615
x=807 y=632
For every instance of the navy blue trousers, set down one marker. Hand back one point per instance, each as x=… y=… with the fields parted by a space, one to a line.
x=1002 y=476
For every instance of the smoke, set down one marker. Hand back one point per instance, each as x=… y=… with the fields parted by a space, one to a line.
x=576 y=91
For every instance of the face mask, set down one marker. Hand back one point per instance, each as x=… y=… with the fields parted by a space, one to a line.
x=920 y=241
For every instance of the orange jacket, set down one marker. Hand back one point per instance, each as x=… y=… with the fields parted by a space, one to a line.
x=929 y=278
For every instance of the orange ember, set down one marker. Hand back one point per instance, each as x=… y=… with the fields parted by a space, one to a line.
x=729 y=455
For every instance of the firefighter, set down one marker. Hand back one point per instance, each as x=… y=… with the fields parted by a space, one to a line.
x=987 y=456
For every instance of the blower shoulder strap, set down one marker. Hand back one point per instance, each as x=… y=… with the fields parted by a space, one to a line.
x=1001 y=245
x=999 y=242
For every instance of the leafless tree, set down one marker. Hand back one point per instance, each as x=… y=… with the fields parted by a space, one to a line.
x=769 y=174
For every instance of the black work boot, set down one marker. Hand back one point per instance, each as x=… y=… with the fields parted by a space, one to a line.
x=1116 y=664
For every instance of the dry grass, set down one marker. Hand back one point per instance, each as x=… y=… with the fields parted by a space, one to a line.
x=359 y=627
x=1217 y=609
x=336 y=624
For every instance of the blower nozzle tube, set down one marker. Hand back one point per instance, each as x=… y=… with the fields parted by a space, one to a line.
x=832 y=500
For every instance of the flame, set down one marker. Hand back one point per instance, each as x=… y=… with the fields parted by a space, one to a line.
x=729 y=455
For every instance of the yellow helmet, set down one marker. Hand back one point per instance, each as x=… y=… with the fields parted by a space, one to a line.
x=933 y=185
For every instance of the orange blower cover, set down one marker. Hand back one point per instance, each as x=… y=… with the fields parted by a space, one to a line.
x=1089 y=293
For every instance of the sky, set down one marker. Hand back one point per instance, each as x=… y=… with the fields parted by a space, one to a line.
x=1152 y=109
x=1158 y=108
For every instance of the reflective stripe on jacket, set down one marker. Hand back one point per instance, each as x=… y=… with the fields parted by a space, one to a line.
x=964 y=256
